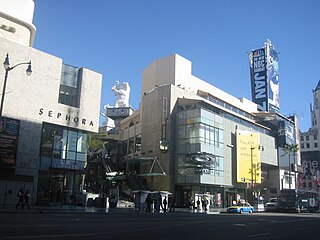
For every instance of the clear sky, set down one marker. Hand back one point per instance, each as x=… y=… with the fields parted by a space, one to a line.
x=119 y=38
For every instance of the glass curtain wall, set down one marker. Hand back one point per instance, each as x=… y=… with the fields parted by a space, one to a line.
x=62 y=161
x=200 y=134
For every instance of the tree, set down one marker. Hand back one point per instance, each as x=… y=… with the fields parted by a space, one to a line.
x=291 y=149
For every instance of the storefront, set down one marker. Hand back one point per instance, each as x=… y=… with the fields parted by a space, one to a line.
x=62 y=162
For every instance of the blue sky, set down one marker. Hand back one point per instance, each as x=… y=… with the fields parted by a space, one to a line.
x=119 y=38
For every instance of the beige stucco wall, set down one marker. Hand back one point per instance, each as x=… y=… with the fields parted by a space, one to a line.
x=34 y=100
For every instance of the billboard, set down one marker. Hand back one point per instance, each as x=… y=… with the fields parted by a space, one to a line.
x=248 y=157
x=272 y=78
x=9 y=133
x=286 y=133
x=258 y=72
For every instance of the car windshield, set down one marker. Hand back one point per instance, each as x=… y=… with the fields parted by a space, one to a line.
x=274 y=200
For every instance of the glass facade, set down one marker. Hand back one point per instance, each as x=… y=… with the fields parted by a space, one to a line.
x=69 y=93
x=200 y=145
x=62 y=161
x=62 y=148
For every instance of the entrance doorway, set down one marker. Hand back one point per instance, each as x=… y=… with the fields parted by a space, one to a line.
x=55 y=188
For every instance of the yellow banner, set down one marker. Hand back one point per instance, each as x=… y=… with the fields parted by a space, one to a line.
x=248 y=157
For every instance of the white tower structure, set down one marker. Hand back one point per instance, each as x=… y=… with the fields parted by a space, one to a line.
x=121 y=108
x=16 y=18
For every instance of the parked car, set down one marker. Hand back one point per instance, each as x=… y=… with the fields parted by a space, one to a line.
x=241 y=208
x=272 y=205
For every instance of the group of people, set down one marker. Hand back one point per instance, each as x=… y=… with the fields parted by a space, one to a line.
x=23 y=199
x=201 y=204
x=159 y=203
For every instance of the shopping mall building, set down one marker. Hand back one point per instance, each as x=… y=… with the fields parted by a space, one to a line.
x=193 y=139
x=45 y=116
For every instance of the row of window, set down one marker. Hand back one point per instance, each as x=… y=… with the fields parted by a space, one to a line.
x=307 y=138
x=132 y=145
x=315 y=145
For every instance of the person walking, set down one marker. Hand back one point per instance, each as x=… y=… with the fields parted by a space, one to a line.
x=26 y=199
x=172 y=204
x=20 y=195
x=164 y=202
x=148 y=202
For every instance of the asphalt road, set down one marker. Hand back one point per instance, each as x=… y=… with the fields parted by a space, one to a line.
x=182 y=226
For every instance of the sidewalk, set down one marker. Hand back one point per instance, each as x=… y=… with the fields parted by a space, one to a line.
x=78 y=209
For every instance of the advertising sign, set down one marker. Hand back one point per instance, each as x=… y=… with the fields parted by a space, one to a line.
x=248 y=157
x=286 y=133
x=259 y=79
x=273 y=79
x=9 y=133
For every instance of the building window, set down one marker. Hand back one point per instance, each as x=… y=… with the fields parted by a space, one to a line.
x=124 y=147
x=308 y=145
x=62 y=147
x=301 y=138
x=302 y=145
x=70 y=82
x=307 y=138
x=315 y=145
x=315 y=137
x=131 y=145
x=138 y=143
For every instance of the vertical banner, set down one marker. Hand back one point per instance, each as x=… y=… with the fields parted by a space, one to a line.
x=9 y=133
x=258 y=73
x=248 y=157
x=273 y=78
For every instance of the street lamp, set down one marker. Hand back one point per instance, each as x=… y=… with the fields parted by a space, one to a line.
x=7 y=67
x=164 y=146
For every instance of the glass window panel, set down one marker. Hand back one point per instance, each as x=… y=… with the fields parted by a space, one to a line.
x=72 y=141
x=79 y=165
x=181 y=132
x=138 y=143
x=82 y=142
x=71 y=155
x=70 y=163
x=81 y=157
x=131 y=145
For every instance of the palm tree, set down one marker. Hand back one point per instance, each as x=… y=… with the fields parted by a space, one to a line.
x=291 y=149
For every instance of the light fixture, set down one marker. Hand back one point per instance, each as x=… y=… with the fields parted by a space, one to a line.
x=6 y=65
x=164 y=146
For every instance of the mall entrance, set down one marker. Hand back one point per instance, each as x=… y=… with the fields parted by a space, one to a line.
x=55 y=187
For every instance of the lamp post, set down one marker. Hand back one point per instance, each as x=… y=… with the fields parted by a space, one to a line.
x=253 y=178
x=7 y=67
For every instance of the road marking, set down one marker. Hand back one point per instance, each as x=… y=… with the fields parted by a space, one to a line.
x=239 y=224
x=259 y=235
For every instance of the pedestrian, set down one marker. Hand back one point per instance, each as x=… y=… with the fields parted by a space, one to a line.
x=20 y=196
x=157 y=202
x=204 y=204
x=148 y=202
x=165 y=202
x=172 y=204
x=198 y=205
x=26 y=199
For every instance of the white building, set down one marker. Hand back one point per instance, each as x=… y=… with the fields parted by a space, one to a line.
x=202 y=125
x=45 y=116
